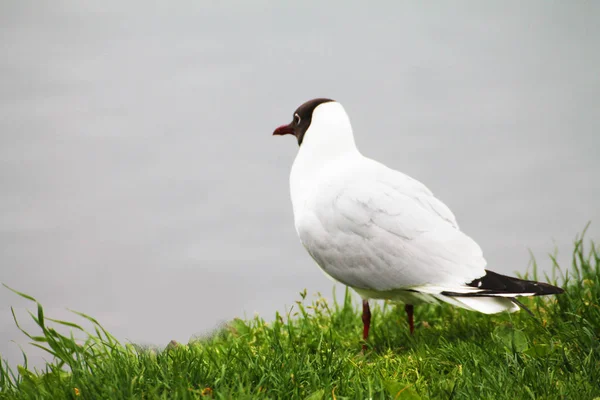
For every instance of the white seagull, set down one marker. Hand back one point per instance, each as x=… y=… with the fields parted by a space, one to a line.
x=381 y=232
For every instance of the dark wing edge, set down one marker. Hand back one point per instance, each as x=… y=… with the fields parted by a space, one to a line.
x=493 y=284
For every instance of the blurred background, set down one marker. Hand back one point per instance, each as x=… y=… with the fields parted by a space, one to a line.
x=140 y=183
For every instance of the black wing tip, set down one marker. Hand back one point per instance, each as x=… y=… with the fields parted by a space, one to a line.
x=554 y=289
x=543 y=288
x=493 y=283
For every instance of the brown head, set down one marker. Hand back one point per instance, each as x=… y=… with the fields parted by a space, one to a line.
x=301 y=121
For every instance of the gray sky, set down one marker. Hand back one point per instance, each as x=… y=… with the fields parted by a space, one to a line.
x=141 y=184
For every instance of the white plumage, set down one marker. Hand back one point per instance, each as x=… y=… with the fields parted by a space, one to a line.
x=375 y=229
x=381 y=232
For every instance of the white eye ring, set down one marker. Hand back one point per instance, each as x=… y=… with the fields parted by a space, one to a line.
x=297 y=116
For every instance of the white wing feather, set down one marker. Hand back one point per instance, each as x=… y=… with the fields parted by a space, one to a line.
x=374 y=228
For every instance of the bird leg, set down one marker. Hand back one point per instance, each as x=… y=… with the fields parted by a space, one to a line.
x=409 y=308
x=366 y=318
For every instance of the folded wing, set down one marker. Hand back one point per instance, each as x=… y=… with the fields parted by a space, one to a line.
x=378 y=229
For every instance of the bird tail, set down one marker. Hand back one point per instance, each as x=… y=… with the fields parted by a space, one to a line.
x=486 y=305
x=493 y=293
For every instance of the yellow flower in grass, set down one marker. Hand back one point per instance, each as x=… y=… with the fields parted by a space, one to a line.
x=77 y=391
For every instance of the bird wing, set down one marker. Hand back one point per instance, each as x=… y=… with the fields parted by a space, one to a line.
x=378 y=229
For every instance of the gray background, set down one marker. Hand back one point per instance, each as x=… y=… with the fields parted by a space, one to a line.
x=140 y=182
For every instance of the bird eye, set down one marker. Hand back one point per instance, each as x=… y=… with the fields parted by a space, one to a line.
x=297 y=119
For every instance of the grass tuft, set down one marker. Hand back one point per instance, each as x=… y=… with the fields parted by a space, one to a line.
x=313 y=352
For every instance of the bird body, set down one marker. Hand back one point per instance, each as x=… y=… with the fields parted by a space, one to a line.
x=381 y=232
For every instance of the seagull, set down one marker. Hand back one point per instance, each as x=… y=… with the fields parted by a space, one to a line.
x=381 y=232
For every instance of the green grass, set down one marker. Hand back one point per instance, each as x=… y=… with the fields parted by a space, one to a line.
x=314 y=352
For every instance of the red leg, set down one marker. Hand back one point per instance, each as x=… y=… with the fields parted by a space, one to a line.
x=366 y=318
x=409 y=308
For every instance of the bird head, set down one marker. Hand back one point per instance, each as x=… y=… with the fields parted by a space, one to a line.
x=316 y=114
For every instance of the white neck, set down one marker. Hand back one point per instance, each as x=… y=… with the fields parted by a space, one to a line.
x=329 y=138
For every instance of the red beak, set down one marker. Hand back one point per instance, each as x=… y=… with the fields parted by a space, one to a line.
x=284 y=130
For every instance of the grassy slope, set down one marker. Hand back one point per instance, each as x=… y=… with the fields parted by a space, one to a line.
x=315 y=353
